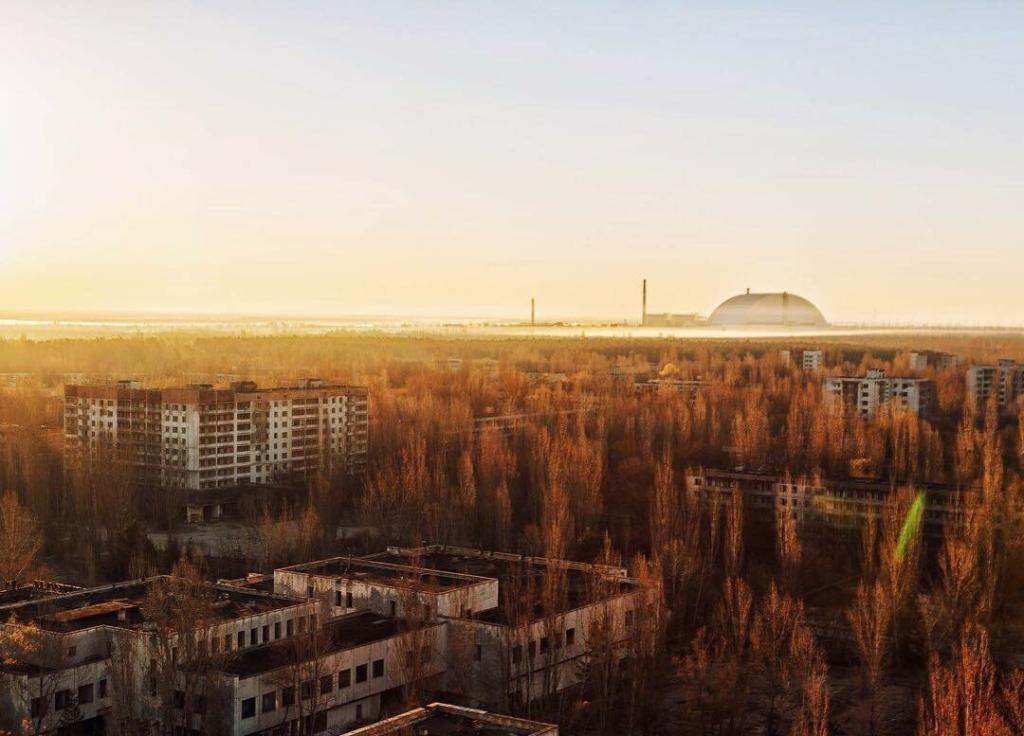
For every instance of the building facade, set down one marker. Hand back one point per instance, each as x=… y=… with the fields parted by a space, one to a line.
x=920 y=361
x=1004 y=381
x=868 y=394
x=806 y=360
x=201 y=438
x=833 y=504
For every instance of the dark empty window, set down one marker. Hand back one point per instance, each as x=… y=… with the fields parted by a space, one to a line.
x=348 y=600
x=306 y=690
x=337 y=598
x=326 y=684
x=570 y=637
x=248 y=707
x=393 y=608
x=241 y=639
x=320 y=722
x=302 y=625
x=266 y=634
x=179 y=699
x=288 y=696
x=254 y=637
x=227 y=642
x=85 y=694
x=277 y=629
x=290 y=628
x=543 y=644
x=361 y=673
x=269 y=702
x=479 y=654
x=517 y=654
x=378 y=668
x=103 y=688
x=344 y=678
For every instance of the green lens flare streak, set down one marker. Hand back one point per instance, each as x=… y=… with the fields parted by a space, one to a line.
x=910 y=525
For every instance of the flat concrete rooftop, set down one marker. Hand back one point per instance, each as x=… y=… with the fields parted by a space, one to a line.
x=516 y=575
x=398 y=572
x=122 y=605
x=346 y=632
x=440 y=719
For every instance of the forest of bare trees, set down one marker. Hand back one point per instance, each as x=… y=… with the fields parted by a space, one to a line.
x=746 y=627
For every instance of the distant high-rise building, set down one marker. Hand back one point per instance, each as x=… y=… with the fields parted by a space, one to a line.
x=199 y=437
x=1005 y=381
x=867 y=394
x=920 y=361
x=808 y=360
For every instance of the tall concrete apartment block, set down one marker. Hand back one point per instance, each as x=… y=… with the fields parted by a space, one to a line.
x=1005 y=381
x=201 y=438
x=866 y=395
x=808 y=360
x=920 y=361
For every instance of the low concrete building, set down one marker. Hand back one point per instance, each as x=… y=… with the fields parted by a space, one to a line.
x=318 y=648
x=690 y=389
x=91 y=653
x=535 y=642
x=831 y=503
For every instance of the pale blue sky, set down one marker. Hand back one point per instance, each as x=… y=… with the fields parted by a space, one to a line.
x=458 y=158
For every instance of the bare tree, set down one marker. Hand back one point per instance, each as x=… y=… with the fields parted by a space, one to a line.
x=20 y=539
x=871 y=618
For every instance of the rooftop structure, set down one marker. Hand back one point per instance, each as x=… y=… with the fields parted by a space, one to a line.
x=767 y=310
x=122 y=605
x=441 y=719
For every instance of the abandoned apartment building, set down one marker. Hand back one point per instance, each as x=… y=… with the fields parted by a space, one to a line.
x=322 y=647
x=826 y=503
x=215 y=443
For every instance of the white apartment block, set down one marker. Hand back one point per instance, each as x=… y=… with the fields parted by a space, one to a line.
x=920 y=361
x=319 y=648
x=808 y=360
x=1005 y=381
x=202 y=438
x=867 y=395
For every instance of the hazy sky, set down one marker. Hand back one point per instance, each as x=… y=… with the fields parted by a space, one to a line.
x=458 y=158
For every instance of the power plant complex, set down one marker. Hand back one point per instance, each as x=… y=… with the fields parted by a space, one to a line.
x=769 y=309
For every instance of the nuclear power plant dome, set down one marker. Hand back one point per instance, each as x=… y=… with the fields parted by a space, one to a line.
x=775 y=309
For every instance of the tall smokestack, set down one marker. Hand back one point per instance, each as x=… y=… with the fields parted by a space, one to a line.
x=643 y=314
x=533 y=311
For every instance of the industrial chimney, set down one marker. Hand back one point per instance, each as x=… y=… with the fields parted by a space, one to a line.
x=643 y=314
x=533 y=311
